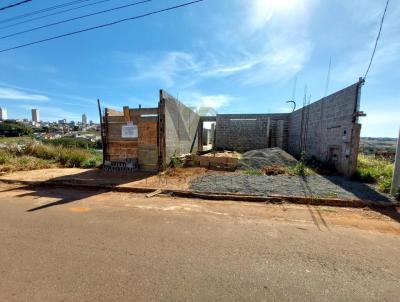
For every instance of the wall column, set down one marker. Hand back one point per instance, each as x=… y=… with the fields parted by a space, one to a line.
x=396 y=173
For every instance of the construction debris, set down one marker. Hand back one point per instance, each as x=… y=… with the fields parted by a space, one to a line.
x=152 y=194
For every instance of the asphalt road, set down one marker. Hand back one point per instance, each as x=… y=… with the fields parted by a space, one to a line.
x=72 y=245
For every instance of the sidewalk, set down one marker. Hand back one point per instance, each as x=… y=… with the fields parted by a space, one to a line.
x=177 y=185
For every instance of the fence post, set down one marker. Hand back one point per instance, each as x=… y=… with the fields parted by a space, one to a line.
x=396 y=172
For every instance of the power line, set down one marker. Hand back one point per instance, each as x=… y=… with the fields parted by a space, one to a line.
x=15 y=4
x=43 y=10
x=102 y=25
x=53 y=14
x=377 y=39
x=75 y=18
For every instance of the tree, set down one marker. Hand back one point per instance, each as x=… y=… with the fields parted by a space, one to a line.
x=14 y=129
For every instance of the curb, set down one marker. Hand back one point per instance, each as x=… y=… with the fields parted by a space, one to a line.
x=316 y=201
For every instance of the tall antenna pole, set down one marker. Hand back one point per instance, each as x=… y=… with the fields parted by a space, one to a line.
x=294 y=89
x=328 y=78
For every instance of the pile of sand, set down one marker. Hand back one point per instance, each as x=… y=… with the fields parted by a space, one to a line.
x=258 y=159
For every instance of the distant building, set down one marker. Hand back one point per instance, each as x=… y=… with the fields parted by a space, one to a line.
x=62 y=122
x=84 y=119
x=35 y=116
x=3 y=114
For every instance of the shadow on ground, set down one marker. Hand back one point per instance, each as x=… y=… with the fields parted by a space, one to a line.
x=94 y=182
x=360 y=190
x=88 y=183
x=366 y=192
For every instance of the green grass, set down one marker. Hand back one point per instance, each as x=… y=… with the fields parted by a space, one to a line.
x=253 y=172
x=376 y=171
x=38 y=156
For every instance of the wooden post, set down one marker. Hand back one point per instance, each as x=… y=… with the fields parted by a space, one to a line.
x=127 y=116
x=102 y=131
x=396 y=172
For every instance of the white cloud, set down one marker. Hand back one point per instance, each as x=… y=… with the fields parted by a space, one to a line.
x=270 y=44
x=41 y=95
x=169 y=68
x=215 y=101
x=15 y=94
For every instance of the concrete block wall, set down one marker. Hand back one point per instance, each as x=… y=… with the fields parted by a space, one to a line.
x=180 y=127
x=245 y=132
x=332 y=133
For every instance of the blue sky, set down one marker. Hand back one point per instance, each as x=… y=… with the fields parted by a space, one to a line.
x=239 y=56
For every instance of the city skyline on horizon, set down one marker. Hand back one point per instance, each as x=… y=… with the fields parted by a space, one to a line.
x=41 y=120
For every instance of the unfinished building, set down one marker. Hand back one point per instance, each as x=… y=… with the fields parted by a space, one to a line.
x=149 y=138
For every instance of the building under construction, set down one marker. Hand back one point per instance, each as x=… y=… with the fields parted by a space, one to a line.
x=148 y=138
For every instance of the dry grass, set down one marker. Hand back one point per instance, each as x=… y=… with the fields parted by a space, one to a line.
x=37 y=156
x=10 y=162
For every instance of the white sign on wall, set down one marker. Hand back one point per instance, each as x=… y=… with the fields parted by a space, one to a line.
x=129 y=131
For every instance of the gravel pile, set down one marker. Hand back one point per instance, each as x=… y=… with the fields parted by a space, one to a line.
x=258 y=159
x=313 y=185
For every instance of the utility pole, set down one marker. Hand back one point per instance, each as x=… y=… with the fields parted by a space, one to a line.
x=396 y=172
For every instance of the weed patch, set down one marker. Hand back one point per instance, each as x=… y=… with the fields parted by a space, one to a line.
x=37 y=156
x=253 y=172
x=376 y=171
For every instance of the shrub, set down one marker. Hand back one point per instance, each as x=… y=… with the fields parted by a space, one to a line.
x=4 y=157
x=301 y=168
x=71 y=157
x=176 y=161
x=91 y=163
x=13 y=129
x=41 y=151
x=373 y=170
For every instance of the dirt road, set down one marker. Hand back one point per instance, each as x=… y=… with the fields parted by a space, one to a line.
x=74 y=245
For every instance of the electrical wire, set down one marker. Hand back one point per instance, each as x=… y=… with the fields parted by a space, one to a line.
x=75 y=18
x=377 y=39
x=43 y=10
x=102 y=25
x=14 y=5
x=53 y=14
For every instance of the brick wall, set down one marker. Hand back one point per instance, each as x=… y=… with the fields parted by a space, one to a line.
x=250 y=131
x=144 y=148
